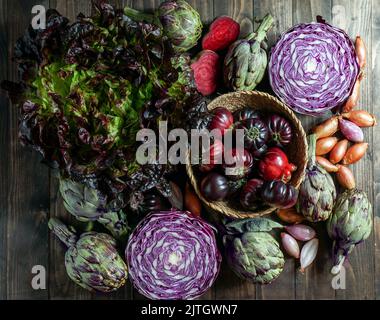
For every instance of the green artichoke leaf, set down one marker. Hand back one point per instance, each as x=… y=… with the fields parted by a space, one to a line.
x=252 y=225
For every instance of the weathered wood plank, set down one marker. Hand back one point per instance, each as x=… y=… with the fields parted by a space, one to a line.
x=28 y=185
x=355 y=17
x=5 y=139
x=315 y=283
x=375 y=72
x=281 y=10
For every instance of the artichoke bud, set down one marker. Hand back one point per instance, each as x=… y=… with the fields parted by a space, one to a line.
x=89 y=204
x=350 y=223
x=317 y=192
x=180 y=22
x=91 y=260
x=254 y=256
x=246 y=60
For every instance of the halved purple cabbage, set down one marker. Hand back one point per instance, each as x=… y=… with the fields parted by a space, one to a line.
x=313 y=68
x=173 y=255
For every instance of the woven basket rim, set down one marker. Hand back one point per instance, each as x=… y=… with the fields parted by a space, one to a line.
x=223 y=207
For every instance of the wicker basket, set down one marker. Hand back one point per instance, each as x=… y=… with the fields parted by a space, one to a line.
x=296 y=151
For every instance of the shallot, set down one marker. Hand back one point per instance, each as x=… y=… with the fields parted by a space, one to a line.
x=351 y=131
x=290 y=215
x=354 y=97
x=355 y=153
x=290 y=245
x=338 y=152
x=327 y=128
x=301 y=232
x=308 y=253
x=326 y=164
x=361 y=51
x=361 y=118
x=325 y=145
x=345 y=177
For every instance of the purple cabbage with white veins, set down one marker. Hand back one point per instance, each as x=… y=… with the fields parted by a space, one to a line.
x=313 y=67
x=173 y=255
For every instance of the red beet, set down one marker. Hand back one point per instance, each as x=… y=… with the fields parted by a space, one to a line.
x=206 y=72
x=223 y=32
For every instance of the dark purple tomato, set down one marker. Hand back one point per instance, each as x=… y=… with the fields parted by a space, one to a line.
x=239 y=156
x=153 y=202
x=279 y=195
x=245 y=114
x=214 y=187
x=259 y=153
x=215 y=153
x=250 y=194
x=222 y=119
x=255 y=133
x=280 y=131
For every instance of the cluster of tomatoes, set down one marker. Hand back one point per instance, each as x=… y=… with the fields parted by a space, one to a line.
x=265 y=170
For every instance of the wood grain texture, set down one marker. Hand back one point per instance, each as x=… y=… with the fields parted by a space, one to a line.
x=5 y=137
x=355 y=17
x=375 y=72
x=28 y=184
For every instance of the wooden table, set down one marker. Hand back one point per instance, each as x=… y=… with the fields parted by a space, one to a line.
x=28 y=192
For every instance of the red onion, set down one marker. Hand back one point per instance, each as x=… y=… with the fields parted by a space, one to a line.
x=308 y=253
x=351 y=131
x=290 y=245
x=301 y=232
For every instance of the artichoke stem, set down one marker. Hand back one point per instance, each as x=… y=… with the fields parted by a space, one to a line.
x=138 y=16
x=312 y=141
x=62 y=232
x=262 y=30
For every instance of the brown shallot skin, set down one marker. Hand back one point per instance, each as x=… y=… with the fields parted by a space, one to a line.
x=290 y=215
x=361 y=118
x=355 y=153
x=345 y=177
x=327 y=128
x=325 y=145
x=361 y=52
x=353 y=99
x=339 y=151
x=326 y=164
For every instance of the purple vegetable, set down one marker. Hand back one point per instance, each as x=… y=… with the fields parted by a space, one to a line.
x=278 y=194
x=172 y=255
x=290 y=245
x=280 y=131
x=351 y=131
x=246 y=113
x=301 y=232
x=255 y=133
x=214 y=187
x=250 y=194
x=313 y=67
